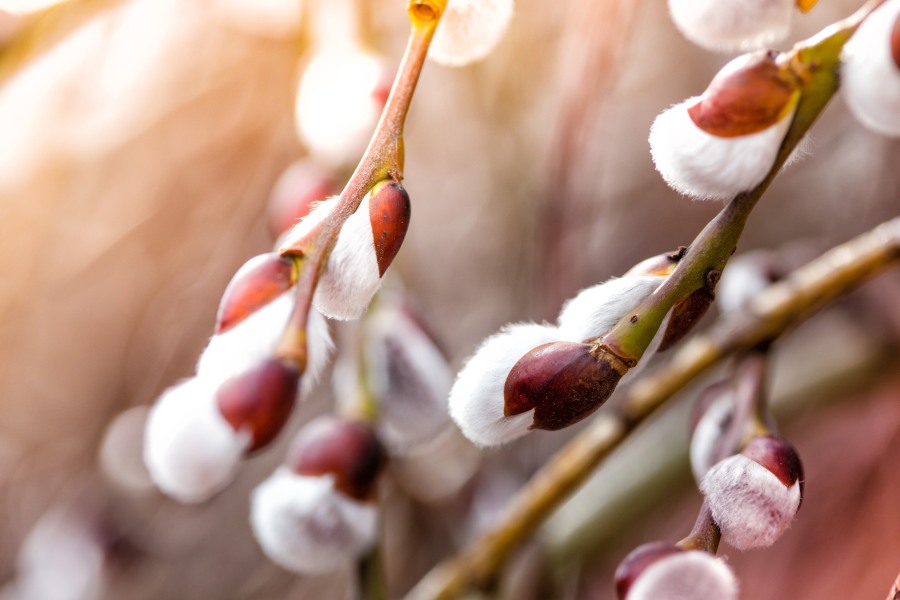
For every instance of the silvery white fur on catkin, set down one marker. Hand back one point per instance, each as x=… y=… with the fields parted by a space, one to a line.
x=254 y=340
x=595 y=310
x=707 y=167
x=476 y=398
x=691 y=575
x=870 y=80
x=749 y=503
x=307 y=526
x=726 y=25
x=190 y=449
x=709 y=435
x=351 y=276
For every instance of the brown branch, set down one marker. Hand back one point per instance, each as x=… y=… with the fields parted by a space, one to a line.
x=781 y=306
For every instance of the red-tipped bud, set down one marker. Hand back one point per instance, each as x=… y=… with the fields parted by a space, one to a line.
x=389 y=211
x=659 y=570
x=300 y=186
x=348 y=450
x=778 y=456
x=749 y=95
x=260 y=400
x=259 y=281
x=754 y=495
x=637 y=560
x=895 y=41
x=563 y=382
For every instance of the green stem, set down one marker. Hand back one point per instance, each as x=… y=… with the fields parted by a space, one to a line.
x=815 y=64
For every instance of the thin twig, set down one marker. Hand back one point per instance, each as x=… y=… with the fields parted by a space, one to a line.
x=781 y=306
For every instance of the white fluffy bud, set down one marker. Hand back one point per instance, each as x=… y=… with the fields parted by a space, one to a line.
x=710 y=432
x=595 y=310
x=749 y=503
x=870 y=74
x=307 y=526
x=706 y=166
x=255 y=338
x=726 y=25
x=746 y=276
x=190 y=449
x=469 y=30
x=476 y=399
x=691 y=575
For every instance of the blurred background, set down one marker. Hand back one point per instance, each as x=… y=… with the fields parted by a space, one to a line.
x=139 y=144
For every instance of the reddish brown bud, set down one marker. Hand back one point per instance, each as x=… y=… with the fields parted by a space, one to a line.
x=389 y=211
x=895 y=42
x=637 y=560
x=749 y=95
x=260 y=400
x=685 y=315
x=563 y=382
x=348 y=450
x=262 y=279
x=778 y=456
x=300 y=186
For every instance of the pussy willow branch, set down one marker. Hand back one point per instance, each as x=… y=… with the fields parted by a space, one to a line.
x=771 y=313
x=382 y=159
x=815 y=63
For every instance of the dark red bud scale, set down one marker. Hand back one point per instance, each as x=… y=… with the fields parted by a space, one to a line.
x=262 y=279
x=685 y=315
x=895 y=42
x=260 y=400
x=746 y=97
x=637 y=560
x=563 y=382
x=389 y=211
x=348 y=450
x=778 y=456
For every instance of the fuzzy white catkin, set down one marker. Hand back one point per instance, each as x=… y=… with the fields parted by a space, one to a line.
x=352 y=276
x=305 y=525
x=691 y=575
x=742 y=281
x=339 y=102
x=411 y=378
x=749 y=503
x=191 y=451
x=254 y=339
x=469 y=30
x=476 y=399
x=870 y=78
x=708 y=167
x=595 y=310
x=726 y=25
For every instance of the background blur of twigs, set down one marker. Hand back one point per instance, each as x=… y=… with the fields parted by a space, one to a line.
x=139 y=141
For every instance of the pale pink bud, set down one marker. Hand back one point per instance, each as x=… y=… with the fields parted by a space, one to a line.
x=341 y=95
x=190 y=449
x=477 y=402
x=657 y=570
x=870 y=73
x=366 y=245
x=313 y=515
x=725 y=141
x=754 y=495
x=726 y=25
x=469 y=30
